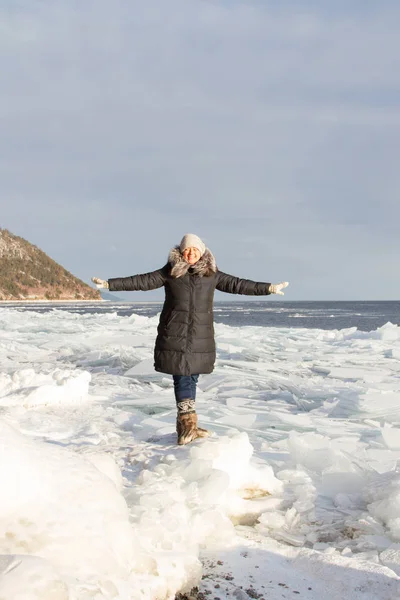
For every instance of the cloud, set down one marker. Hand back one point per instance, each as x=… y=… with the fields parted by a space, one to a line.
x=270 y=129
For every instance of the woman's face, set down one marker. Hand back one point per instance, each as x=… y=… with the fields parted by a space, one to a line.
x=191 y=255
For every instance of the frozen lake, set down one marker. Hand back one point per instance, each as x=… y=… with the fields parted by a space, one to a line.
x=296 y=492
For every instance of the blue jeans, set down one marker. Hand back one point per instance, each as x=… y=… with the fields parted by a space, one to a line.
x=185 y=387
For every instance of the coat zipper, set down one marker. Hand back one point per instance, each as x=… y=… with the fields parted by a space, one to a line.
x=189 y=339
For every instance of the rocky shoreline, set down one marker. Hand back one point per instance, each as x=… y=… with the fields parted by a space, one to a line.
x=46 y=301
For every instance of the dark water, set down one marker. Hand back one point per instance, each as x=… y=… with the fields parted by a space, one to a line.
x=366 y=316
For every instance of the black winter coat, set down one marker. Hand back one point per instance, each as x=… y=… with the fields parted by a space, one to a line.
x=185 y=342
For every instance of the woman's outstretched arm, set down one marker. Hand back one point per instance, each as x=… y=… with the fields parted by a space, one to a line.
x=142 y=282
x=235 y=285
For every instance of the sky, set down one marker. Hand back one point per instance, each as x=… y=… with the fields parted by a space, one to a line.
x=271 y=130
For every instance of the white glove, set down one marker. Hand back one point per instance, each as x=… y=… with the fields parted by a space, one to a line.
x=275 y=288
x=100 y=283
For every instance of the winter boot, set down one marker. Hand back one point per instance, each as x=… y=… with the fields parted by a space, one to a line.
x=186 y=423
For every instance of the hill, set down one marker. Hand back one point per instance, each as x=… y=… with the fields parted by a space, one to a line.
x=110 y=297
x=27 y=273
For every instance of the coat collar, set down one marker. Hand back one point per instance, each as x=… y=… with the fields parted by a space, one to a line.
x=205 y=267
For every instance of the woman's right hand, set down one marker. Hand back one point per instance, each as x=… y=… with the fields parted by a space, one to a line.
x=100 y=283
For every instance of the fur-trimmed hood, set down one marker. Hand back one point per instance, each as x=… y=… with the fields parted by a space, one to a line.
x=204 y=267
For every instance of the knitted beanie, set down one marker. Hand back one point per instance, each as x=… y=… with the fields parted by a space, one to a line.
x=190 y=240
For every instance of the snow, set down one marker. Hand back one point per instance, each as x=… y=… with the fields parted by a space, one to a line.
x=297 y=491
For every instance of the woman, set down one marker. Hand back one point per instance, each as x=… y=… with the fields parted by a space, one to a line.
x=185 y=345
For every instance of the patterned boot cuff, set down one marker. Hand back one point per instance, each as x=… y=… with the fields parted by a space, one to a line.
x=185 y=406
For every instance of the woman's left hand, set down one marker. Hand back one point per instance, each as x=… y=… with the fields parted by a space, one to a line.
x=275 y=288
